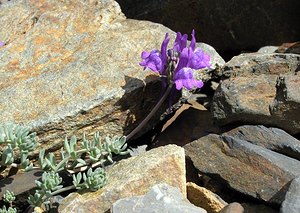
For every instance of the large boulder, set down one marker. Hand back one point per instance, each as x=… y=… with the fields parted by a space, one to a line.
x=226 y=25
x=72 y=66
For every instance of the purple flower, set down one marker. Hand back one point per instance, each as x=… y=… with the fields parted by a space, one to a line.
x=2 y=43
x=177 y=64
x=184 y=78
x=152 y=60
x=156 y=60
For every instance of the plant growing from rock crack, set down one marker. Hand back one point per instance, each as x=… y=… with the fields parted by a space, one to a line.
x=175 y=66
x=74 y=158
x=85 y=161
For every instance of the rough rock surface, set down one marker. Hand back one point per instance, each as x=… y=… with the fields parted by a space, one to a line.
x=249 y=64
x=271 y=138
x=244 y=100
x=286 y=105
x=252 y=96
x=132 y=177
x=247 y=168
x=291 y=203
x=65 y=72
x=227 y=24
x=204 y=198
x=162 y=198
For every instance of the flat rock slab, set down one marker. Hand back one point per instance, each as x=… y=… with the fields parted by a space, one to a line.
x=271 y=138
x=132 y=177
x=247 y=168
x=162 y=198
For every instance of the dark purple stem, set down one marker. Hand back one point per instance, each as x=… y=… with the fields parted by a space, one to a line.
x=153 y=111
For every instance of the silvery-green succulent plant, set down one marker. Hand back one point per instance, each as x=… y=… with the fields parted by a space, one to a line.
x=84 y=159
x=8 y=197
x=17 y=138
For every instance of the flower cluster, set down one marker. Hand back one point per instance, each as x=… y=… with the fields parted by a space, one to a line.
x=176 y=65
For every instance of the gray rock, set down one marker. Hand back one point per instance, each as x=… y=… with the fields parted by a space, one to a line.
x=226 y=25
x=250 y=95
x=271 y=138
x=244 y=100
x=70 y=67
x=249 y=64
x=267 y=49
x=247 y=168
x=162 y=198
x=291 y=203
x=286 y=105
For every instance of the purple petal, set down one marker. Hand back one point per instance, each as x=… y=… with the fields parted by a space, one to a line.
x=152 y=60
x=193 y=41
x=183 y=59
x=163 y=51
x=184 y=78
x=177 y=41
x=199 y=59
x=145 y=54
x=2 y=43
x=180 y=42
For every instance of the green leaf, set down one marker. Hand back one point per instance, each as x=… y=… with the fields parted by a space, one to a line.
x=66 y=145
x=81 y=162
x=73 y=142
x=7 y=156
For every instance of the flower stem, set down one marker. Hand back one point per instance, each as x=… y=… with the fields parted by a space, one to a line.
x=67 y=188
x=153 y=111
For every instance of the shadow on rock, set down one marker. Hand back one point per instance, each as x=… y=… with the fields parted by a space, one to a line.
x=138 y=100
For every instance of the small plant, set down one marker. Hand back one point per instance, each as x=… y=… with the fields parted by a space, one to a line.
x=92 y=180
x=8 y=197
x=17 y=140
x=84 y=160
x=50 y=182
